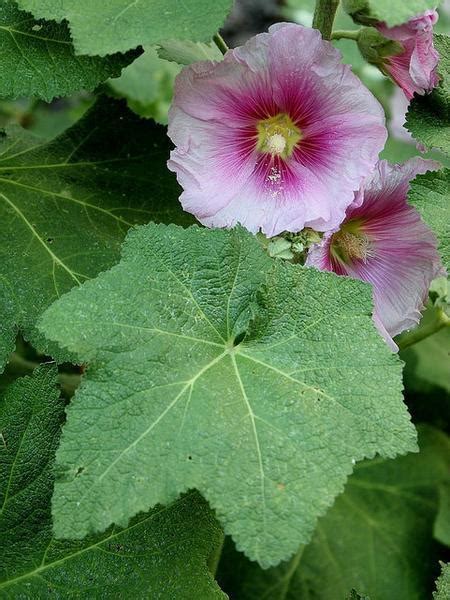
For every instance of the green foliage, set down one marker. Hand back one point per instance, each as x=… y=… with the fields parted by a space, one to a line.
x=208 y=379
x=65 y=206
x=427 y=362
x=377 y=538
x=393 y=13
x=100 y=27
x=38 y=59
x=428 y=117
x=147 y=85
x=443 y=584
x=212 y=366
x=161 y=554
x=430 y=194
x=442 y=523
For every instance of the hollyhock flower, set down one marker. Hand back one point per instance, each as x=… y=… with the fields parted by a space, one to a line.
x=384 y=241
x=414 y=67
x=277 y=136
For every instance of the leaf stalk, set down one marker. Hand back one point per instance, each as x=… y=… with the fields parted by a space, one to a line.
x=220 y=43
x=342 y=34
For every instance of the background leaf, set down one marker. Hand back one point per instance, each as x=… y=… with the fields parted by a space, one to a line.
x=161 y=554
x=147 y=85
x=65 y=206
x=100 y=28
x=377 y=538
x=38 y=58
x=266 y=427
x=393 y=13
x=430 y=194
x=185 y=52
x=398 y=12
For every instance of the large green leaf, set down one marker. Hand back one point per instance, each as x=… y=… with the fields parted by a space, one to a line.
x=38 y=58
x=266 y=427
x=161 y=554
x=101 y=28
x=377 y=538
x=430 y=194
x=428 y=117
x=65 y=206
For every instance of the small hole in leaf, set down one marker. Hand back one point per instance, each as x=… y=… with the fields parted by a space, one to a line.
x=79 y=471
x=189 y=457
x=49 y=240
x=239 y=338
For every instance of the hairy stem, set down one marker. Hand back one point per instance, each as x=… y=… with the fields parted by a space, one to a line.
x=420 y=333
x=220 y=43
x=214 y=558
x=340 y=34
x=324 y=16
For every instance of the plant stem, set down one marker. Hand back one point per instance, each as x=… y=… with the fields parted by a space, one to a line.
x=220 y=43
x=214 y=558
x=420 y=333
x=340 y=34
x=324 y=16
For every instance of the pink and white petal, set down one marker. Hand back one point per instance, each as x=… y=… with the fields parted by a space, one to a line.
x=336 y=138
x=401 y=271
x=334 y=111
x=424 y=60
x=209 y=173
x=221 y=92
x=387 y=188
x=276 y=202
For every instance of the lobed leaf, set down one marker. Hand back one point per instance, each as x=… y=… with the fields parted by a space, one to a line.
x=38 y=59
x=100 y=28
x=377 y=538
x=212 y=366
x=65 y=207
x=161 y=554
